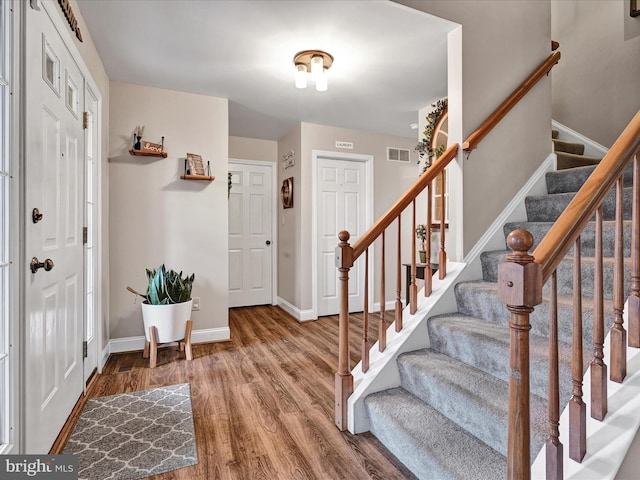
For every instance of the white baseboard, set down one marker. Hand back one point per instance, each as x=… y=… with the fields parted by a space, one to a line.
x=388 y=305
x=591 y=148
x=295 y=312
x=206 y=335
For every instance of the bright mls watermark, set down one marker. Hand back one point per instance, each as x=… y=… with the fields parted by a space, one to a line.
x=50 y=467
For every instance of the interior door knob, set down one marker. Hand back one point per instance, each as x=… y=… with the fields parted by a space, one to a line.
x=36 y=264
x=268 y=242
x=36 y=216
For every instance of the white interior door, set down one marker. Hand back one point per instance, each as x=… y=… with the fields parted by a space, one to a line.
x=340 y=206
x=250 y=235
x=54 y=185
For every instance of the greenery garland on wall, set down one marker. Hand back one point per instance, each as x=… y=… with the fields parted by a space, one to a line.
x=425 y=151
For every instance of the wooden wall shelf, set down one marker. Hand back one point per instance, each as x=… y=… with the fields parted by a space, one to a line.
x=146 y=153
x=209 y=178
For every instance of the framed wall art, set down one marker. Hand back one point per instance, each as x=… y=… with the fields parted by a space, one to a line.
x=286 y=192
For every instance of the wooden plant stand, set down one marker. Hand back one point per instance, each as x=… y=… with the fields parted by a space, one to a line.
x=151 y=348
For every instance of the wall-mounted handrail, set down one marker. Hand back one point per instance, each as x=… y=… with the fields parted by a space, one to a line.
x=474 y=139
x=403 y=202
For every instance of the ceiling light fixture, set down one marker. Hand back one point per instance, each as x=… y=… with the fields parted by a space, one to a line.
x=314 y=63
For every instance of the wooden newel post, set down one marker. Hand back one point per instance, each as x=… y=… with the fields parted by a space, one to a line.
x=344 y=379
x=520 y=287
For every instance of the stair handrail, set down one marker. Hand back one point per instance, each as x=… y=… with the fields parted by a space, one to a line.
x=520 y=281
x=512 y=100
x=403 y=202
x=571 y=222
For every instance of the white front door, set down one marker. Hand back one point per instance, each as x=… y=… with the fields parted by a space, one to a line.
x=54 y=143
x=341 y=205
x=250 y=235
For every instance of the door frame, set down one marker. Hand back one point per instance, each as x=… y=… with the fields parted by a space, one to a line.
x=274 y=219
x=19 y=56
x=368 y=161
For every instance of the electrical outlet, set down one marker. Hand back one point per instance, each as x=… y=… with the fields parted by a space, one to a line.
x=195 y=306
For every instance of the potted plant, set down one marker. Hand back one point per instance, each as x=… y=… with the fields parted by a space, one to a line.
x=421 y=234
x=166 y=310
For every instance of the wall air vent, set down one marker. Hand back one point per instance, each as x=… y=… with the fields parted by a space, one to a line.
x=398 y=155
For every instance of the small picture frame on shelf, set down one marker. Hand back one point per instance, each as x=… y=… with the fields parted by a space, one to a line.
x=152 y=147
x=194 y=164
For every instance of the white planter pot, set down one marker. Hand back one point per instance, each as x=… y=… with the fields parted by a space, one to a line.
x=169 y=320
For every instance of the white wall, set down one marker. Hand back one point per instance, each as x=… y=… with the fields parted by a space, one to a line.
x=157 y=218
x=596 y=84
x=498 y=45
x=391 y=180
x=253 y=149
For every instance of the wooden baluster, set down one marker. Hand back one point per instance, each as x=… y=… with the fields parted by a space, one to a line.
x=366 y=344
x=382 y=326
x=618 y=334
x=399 y=279
x=343 y=378
x=554 y=447
x=634 y=297
x=577 y=408
x=598 y=367
x=442 y=257
x=520 y=287
x=428 y=273
x=413 y=288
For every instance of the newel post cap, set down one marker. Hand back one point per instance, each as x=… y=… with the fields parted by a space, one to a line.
x=519 y=278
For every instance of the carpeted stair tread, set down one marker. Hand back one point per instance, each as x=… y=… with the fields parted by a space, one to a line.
x=587 y=237
x=570 y=160
x=563 y=181
x=485 y=346
x=491 y=260
x=555 y=133
x=429 y=444
x=547 y=208
x=568 y=147
x=480 y=299
x=471 y=398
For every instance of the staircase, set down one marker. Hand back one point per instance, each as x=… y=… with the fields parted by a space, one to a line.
x=448 y=419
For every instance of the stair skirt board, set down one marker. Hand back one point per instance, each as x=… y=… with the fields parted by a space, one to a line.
x=383 y=371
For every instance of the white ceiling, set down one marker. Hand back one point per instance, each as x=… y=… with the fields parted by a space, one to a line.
x=390 y=60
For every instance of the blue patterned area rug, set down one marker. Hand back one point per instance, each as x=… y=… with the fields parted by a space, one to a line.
x=135 y=435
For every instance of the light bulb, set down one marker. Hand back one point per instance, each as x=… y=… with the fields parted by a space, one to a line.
x=322 y=82
x=301 y=76
x=317 y=64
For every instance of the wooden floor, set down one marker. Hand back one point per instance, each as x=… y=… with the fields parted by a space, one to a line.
x=262 y=402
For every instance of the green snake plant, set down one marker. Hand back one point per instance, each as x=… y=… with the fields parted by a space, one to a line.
x=166 y=287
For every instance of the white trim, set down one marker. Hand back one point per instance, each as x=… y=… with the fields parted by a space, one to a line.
x=15 y=382
x=368 y=161
x=388 y=305
x=106 y=351
x=591 y=148
x=206 y=335
x=295 y=312
x=274 y=220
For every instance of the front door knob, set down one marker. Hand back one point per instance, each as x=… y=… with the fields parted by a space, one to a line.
x=36 y=264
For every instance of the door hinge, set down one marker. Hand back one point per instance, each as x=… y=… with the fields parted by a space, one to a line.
x=85 y=120
x=85 y=349
x=85 y=235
